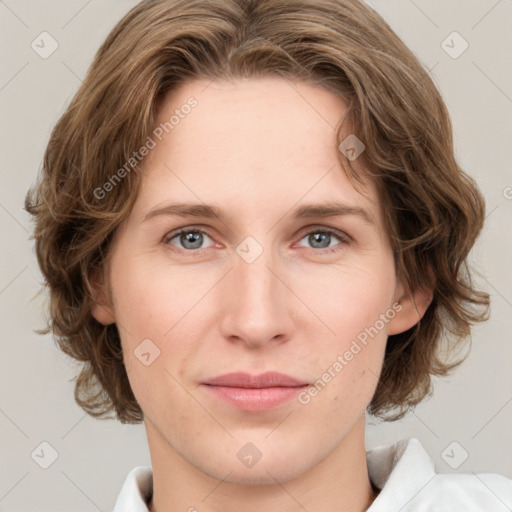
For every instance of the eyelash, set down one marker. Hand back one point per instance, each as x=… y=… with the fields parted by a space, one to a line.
x=343 y=237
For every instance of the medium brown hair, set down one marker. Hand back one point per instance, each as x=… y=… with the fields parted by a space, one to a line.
x=433 y=211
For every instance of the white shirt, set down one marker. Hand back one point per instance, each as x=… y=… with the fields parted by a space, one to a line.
x=403 y=472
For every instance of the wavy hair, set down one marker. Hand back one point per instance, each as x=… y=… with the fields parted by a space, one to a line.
x=433 y=210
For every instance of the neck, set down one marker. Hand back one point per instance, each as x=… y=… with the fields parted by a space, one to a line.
x=339 y=482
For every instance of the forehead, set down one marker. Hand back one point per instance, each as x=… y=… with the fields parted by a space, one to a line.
x=236 y=120
x=250 y=143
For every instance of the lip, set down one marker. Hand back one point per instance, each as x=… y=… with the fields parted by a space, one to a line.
x=263 y=380
x=254 y=392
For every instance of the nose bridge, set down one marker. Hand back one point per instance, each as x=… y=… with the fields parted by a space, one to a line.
x=258 y=306
x=256 y=286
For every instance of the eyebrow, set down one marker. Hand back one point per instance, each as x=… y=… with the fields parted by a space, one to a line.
x=307 y=211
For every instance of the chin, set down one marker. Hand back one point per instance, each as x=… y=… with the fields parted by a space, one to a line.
x=270 y=465
x=261 y=474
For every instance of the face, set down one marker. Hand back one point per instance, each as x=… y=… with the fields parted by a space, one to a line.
x=293 y=273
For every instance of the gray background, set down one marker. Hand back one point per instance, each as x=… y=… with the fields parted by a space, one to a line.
x=473 y=408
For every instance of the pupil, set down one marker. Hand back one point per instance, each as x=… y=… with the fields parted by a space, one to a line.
x=319 y=238
x=191 y=240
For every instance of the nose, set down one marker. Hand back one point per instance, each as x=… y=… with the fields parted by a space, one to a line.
x=257 y=303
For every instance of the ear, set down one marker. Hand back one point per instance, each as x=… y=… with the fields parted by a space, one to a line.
x=102 y=309
x=412 y=308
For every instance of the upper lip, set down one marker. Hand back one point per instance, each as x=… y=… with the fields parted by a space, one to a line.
x=246 y=380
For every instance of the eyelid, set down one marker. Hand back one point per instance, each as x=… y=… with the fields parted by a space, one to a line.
x=306 y=230
x=186 y=229
x=342 y=235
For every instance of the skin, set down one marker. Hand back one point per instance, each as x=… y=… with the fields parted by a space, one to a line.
x=257 y=149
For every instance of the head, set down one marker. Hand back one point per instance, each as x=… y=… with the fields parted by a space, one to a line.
x=253 y=112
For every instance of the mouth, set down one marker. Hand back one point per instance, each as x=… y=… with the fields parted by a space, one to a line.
x=255 y=392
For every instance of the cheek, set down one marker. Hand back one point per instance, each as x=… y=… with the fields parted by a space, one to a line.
x=161 y=319
x=347 y=373
x=348 y=299
x=352 y=304
x=153 y=298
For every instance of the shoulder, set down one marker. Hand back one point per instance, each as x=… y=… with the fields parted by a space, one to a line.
x=405 y=474
x=478 y=492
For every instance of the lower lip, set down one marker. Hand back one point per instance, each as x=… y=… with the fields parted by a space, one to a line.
x=251 y=399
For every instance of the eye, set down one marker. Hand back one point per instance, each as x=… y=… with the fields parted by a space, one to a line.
x=324 y=238
x=192 y=239
x=187 y=239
